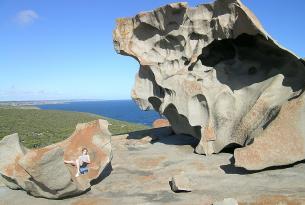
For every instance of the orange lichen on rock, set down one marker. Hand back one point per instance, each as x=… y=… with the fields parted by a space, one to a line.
x=148 y=163
x=161 y=123
x=146 y=178
x=209 y=133
x=86 y=134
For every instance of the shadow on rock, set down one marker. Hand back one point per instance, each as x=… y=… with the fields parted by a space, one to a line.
x=179 y=140
x=154 y=132
x=232 y=169
x=164 y=135
x=105 y=173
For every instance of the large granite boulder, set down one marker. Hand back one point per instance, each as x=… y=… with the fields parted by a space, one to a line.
x=281 y=143
x=214 y=73
x=43 y=173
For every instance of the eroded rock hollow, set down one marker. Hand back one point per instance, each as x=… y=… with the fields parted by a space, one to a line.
x=216 y=74
x=42 y=172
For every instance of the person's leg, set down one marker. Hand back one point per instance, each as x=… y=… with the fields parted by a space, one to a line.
x=70 y=162
x=77 y=168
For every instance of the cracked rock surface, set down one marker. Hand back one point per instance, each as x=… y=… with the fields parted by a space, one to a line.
x=217 y=75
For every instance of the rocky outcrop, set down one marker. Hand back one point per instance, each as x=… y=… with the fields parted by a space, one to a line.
x=42 y=172
x=281 y=143
x=214 y=73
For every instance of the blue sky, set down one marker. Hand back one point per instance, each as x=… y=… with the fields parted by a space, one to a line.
x=62 y=49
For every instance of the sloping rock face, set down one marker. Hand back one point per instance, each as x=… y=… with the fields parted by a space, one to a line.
x=212 y=70
x=42 y=172
x=281 y=143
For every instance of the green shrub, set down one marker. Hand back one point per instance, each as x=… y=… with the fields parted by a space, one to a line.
x=38 y=128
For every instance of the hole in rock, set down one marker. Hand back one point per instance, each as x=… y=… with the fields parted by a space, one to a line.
x=251 y=59
x=146 y=31
x=216 y=52
x=171 y=42
x=197 y=36
x=173 y=16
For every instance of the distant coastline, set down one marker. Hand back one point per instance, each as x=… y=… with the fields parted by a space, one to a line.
x=43 y=102
x=125 y=110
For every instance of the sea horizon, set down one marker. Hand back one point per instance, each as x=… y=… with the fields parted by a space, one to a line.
x=125 y=110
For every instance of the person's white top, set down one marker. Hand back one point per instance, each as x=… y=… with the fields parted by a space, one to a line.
x=84 y=158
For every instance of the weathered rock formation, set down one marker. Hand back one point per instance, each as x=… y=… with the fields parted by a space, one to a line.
x=42 y=172
x=216 y=74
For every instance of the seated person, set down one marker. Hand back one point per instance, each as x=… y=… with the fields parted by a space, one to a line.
x=81 y=162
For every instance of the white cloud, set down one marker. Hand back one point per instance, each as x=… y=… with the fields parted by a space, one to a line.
x=26 y=17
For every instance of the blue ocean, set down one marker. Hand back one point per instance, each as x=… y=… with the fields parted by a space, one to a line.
x=125 y=110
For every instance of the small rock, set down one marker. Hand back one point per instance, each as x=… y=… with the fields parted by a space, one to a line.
x=226 y=201
x=180 y=183
x=149 y=139
x=141 y=142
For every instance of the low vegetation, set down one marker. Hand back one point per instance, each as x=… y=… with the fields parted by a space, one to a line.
x=38 y=128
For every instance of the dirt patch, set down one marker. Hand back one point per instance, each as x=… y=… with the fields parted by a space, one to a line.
x=145 y=179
